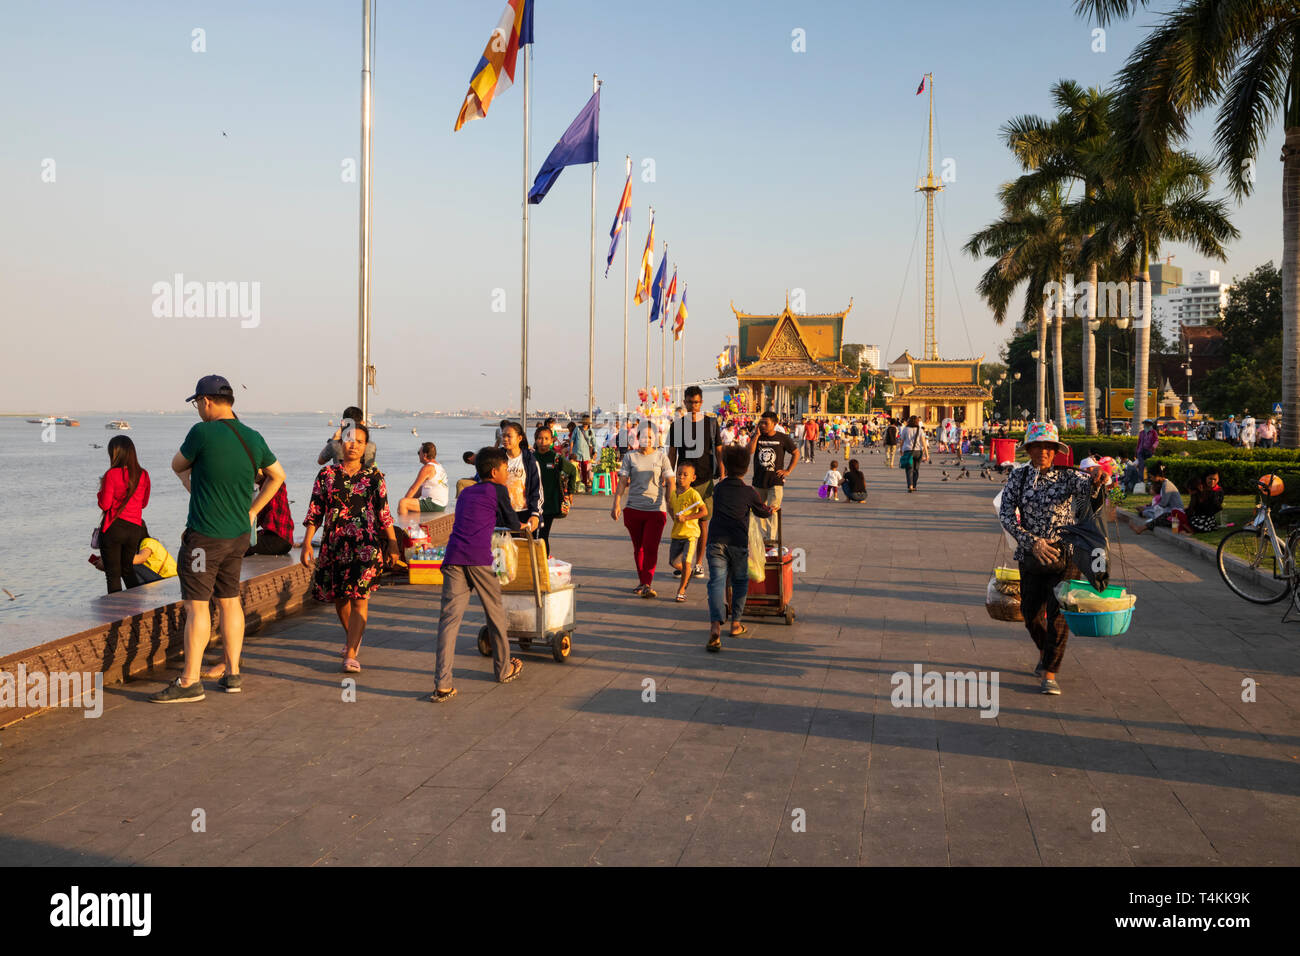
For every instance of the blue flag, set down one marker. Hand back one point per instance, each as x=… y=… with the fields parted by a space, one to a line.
x=657 y=288
x=580 y=144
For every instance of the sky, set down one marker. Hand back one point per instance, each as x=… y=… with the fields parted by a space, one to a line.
x=129 y=158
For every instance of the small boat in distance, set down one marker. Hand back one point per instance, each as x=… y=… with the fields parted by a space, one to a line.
x=61 y=420
x=120 y=426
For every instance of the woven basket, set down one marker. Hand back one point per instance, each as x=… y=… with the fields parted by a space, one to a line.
x=1002 y=606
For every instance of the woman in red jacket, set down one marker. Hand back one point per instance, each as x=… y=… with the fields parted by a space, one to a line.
x=123 y=494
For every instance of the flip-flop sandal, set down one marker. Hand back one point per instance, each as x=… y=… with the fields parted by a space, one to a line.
x=649 y=593
x=438 y=696
x=352 y=666
x=519 y=665
x=740 y=633
x=715 y=643
x=680 y=599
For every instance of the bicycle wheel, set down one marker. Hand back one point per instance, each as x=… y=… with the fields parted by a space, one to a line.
x=1252 y=568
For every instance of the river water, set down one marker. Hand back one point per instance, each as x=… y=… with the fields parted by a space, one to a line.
x=49 y=507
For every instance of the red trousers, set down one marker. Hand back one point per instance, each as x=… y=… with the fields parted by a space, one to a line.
x=646 y=529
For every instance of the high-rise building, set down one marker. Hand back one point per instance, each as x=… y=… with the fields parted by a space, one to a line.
x=1164 y=277
x=1203 y=298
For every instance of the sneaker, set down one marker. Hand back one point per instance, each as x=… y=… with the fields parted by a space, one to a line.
x=699 y=571
x=231 y=684
x=1050 y=687
x=677 y=572
x=174 y=693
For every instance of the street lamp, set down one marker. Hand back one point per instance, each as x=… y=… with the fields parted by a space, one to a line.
x=1122 y=324
x=1035 y=354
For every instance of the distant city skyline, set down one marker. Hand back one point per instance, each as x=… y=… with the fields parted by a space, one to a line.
x=783 y=158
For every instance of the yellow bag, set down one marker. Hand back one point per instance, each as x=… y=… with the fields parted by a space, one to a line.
x=505 y=557
x=757 y=551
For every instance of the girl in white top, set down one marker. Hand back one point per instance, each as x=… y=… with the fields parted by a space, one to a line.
x=832 y=482
x=429 y=490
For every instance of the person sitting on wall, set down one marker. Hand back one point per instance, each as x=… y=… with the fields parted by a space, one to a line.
x=152 y=562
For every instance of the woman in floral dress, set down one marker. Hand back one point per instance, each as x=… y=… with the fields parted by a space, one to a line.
x=351 y=502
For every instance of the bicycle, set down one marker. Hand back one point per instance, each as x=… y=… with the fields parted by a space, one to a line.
x=1256 y=563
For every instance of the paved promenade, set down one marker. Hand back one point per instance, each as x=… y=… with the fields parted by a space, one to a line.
x=783 y=749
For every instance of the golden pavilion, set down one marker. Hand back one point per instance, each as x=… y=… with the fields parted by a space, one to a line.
x=780 y=355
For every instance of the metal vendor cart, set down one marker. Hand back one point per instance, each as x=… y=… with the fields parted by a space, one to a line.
x=536 y=613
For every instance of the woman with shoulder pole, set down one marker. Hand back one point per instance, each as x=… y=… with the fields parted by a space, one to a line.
x=1038 y=503
x=913 y=448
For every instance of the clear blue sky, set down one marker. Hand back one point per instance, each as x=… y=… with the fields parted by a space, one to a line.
x=774 y=169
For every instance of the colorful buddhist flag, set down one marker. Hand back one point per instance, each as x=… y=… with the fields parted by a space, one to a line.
x=680 y=323
x=496 y=67
x=670 y=299
x=647 y=266
x=579 y=145
x=622 y=218
x=657 y=290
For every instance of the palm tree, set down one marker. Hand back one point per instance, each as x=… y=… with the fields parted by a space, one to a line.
x=1244 y=55
x=1072 y=147
x=1166 y=201
x=1030 y=244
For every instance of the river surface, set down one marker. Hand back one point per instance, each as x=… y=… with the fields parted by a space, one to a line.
x=49 y=509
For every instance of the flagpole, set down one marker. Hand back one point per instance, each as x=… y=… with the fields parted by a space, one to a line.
x=627 y=240
x=662 y=325
x=363 y=294
x=591 y=308
x=523 y=322
x=647 y=314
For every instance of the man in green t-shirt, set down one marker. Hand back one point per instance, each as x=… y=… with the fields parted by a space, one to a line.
x=217 y=464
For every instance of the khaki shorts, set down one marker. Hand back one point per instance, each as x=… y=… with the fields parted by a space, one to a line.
x=209 y=567
x=705 y=490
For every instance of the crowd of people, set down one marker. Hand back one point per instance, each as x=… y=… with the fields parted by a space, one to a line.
x=691 y=468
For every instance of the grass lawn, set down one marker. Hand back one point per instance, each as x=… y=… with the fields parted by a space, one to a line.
x=1238 y=510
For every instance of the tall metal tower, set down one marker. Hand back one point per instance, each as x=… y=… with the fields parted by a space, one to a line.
x=930 y=185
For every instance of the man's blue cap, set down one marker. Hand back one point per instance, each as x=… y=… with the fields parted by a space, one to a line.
x=212 y=385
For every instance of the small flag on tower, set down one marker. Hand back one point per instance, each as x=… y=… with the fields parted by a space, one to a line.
x=920 y=89
x=680 y=323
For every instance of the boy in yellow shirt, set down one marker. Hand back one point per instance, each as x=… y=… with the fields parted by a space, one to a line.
x=687 y=508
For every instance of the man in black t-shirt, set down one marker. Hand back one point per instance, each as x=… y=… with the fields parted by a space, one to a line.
x=694 y=438
x=891 y=443
x=769 y=448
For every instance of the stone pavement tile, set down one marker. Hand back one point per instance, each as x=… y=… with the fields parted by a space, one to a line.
x=220 y=847
x=308 y=837
x=904 y=821
x=654 y=830
x=471 y=841
x=1242 y=829
x=1151 y=821
x=401 y=830
x=477 y=769
x=1060 y=803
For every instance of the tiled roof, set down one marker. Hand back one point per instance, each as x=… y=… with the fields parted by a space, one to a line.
x=944 y=391
x=796 y=368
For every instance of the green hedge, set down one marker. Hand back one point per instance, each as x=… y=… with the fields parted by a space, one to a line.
x=1235 y=477
x=1121 y=446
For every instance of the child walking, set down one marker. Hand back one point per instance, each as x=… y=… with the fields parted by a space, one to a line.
x=687 y=508
x=733 y=503
x=832 y=482
x=467 y=566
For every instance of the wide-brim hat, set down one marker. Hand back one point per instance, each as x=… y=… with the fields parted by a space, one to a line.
x=1044 y=433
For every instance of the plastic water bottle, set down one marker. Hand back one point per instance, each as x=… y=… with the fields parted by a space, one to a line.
x=252 y=533
x=1174 y=524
